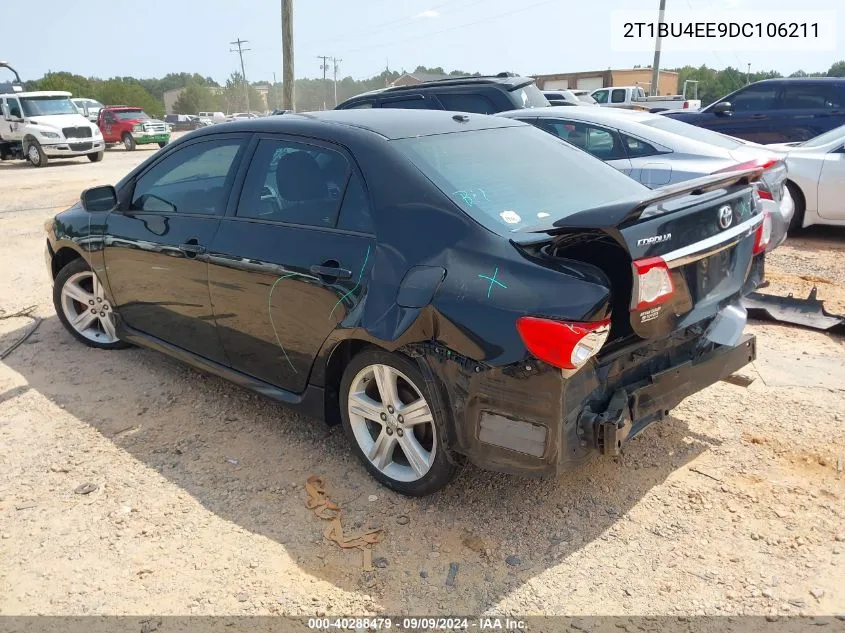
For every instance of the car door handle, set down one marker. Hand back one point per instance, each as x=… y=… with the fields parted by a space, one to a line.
x=759 y=116
x=329 y=270
x=191 y=247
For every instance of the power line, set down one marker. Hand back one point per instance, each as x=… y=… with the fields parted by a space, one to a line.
x=240 y=51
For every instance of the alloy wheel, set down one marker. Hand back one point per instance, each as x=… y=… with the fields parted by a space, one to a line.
x=86 y=308
x=392 y=423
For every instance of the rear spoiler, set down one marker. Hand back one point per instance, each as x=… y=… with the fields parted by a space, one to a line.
x=613 y=214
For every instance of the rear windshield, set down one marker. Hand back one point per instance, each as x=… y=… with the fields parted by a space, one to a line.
x=511 y=178
x=692 y=132
x=530 y=96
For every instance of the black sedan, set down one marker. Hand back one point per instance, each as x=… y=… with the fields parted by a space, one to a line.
x=446 y=286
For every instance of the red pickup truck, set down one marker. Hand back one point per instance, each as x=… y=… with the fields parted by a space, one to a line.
x=132 y=127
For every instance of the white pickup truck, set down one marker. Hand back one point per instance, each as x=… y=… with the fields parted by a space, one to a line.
x=634 y=98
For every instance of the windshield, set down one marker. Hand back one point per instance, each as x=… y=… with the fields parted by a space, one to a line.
x=828 y=137
x=692 y=132
x=130 y=115
x=44 y=106
x=511 y=178
x=530 y=96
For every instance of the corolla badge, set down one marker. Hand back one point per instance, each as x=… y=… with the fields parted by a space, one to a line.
x=726 y=216
x=654 y=239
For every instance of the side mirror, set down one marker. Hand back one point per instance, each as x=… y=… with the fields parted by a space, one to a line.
x=102 y=198
x=723 y=107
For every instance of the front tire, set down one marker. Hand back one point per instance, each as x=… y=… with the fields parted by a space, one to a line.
x=96 y=157
x=83 y=308
x=129 y=142
x=162 y=144
x=35 y=154
x=395 y=423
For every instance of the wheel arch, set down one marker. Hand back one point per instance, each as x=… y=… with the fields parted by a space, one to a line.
x=62 y=258
x=800 y=201
x=336 y=363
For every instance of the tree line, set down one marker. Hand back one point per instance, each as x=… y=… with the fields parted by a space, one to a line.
x=204 y=94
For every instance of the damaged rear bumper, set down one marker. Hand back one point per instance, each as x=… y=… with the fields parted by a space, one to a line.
x=632 y=409
x=529 y=420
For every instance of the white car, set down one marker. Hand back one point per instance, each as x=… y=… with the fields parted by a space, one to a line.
x=817 y=178
x=37 y=126
x=88 y=108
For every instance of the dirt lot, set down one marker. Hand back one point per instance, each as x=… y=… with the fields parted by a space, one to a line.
x=735 y=504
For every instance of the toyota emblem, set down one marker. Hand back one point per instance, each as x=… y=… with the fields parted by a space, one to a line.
x=726 y=216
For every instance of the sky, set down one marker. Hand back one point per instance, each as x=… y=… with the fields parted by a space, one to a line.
x=149 y=38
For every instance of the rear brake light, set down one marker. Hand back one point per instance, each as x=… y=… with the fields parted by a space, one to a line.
x=686 y=105
x=564 y=344
x=751 y=164
x=652 y=283
x=764 y=194
x=763 y=235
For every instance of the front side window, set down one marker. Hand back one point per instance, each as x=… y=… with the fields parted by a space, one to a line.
x=515 y=177
x=294 y=183
x=14 y=108
x=600 y=96
x=754 y=98
x=194 y=179
x=45 y=106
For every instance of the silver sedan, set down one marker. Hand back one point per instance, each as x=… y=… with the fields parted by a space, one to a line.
x=817 y=178
x=657 y=151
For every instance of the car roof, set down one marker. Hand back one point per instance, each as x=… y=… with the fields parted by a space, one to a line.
x=39 y=93
x=390 y=123
x=786 y=80
x=607 y=116
x=507 y=80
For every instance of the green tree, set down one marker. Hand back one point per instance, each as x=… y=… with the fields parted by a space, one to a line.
x=236 y=95
x=195 y=98
x=837 y=70
x=119 y=92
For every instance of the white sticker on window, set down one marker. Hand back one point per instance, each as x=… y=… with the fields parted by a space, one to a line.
x=510 y=217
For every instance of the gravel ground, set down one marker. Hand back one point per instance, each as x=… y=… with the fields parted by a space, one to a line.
x=732 y=505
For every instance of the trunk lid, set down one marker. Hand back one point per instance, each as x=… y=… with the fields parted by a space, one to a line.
x=704 y=230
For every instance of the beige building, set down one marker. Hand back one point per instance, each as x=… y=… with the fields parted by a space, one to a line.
x=593 y=80
x=170 y=97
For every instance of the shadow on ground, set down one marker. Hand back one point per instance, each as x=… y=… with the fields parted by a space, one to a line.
x=245 y=459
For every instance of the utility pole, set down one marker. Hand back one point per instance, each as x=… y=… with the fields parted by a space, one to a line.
x=324 y=67
x=655 y=67
x=747 y=74
x=287 y=55
x=335 y=64
x=240 y=51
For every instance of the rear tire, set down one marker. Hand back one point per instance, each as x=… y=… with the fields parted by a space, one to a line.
x=797 y=222
x=96 y=157
x=129 y=142
x=409 y=452
x=35 y=154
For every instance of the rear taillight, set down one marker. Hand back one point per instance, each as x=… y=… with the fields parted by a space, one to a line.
x=564 y=344
x=652 y=283
x=771 y=180
x=686 y=105
x=764 y=234
x=764 y=194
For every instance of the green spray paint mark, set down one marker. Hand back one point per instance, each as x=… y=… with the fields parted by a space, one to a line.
x=270 y=312
x=492 y=281
x=355 y=287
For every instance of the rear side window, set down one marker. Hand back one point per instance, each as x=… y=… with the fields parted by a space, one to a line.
x=411 y=104
x=810 y=96
x=355 y=214
x=618 y=96
x=359 y=106
x=635 y=148
x=294 y=183
x=754 y=98
x=598 y=141
x=466 y=103
x=193 y=179
x=510 y=178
